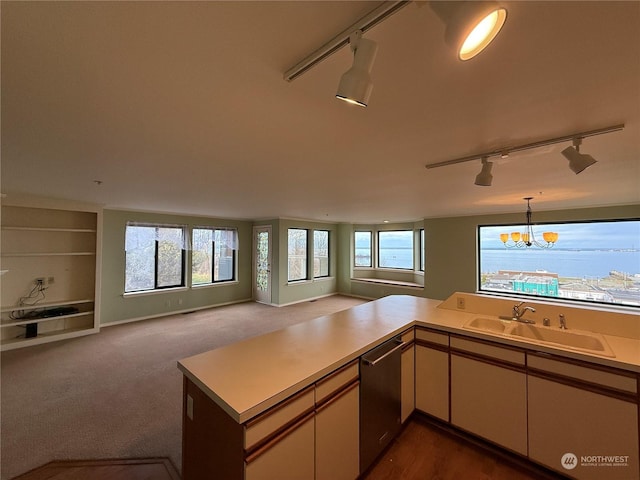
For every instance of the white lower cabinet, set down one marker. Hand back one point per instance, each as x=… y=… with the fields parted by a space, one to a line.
x=287 y=457
x=581 y=431
x=338 y=437
x=489 y=393
x=432 y=373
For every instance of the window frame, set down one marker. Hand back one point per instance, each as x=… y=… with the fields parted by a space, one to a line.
x=183 y=258
x=371 y=249
x=212 y=248
x=539 y=227
x=412 y=268
x=305 y=276
x=328 y=256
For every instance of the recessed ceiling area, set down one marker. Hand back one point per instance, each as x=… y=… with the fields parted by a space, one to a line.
x=181 y=107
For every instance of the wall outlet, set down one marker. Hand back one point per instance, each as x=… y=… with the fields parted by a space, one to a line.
x=50 y=280
x=460 y=303
x=42 y=281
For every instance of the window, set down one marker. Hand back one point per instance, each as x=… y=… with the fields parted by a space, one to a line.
x=320 y=253
x=213 y=256
x=395 y=249
x=422 y=250
x=154 y=257
x=297 y=254
x=590 y=262
x=362 y=242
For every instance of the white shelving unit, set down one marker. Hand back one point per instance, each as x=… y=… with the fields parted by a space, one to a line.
x=62 y=246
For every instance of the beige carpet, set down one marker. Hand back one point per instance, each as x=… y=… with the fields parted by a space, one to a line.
x=117 y=394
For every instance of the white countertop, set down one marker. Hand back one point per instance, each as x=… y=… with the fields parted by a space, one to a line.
x=248 y=377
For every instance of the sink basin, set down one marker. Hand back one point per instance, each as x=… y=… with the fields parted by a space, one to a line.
x=491 y=325
x=589 y=342
x=574 y=339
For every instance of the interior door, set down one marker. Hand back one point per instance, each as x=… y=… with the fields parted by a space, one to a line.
x=262 y=264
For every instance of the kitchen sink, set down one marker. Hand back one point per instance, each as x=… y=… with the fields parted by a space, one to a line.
x=589 y=342
x=491 y=325
x=574 y=339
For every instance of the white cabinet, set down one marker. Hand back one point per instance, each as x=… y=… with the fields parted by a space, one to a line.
x=574 y=423
x=432 y=373
x=61 y=248
x=408 y=375
x=489 y=392
x=337 y=446
x=280 y=442
x=288 y=456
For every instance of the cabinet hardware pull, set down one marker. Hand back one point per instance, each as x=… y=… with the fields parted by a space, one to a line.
x=372 y=363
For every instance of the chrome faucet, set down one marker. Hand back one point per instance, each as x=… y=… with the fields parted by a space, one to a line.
x=518 y=313
x=563 y=323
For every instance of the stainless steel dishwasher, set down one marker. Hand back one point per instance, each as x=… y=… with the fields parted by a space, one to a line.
x=380 y=422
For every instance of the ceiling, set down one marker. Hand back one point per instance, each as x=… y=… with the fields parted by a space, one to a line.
x=182 y=107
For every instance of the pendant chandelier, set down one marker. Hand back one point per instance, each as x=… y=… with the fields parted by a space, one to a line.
x=526 y=238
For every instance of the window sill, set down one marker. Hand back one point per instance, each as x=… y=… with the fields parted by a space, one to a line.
x=154 y=292
x=308 y=281
x=388 y=282
x=214 y=284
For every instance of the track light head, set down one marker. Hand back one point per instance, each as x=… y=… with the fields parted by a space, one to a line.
x=355 y=84
x=577 y=161
x=470 y=25
x=484 y=178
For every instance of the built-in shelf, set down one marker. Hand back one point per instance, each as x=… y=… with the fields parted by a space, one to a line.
x=10 y=343
x=57 y=244
x=11 y=308
x=16 y=323
x=47 y=254
x=48 y=229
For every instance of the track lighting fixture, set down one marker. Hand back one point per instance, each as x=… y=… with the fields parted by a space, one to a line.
x=484 y=178
x=355 y=84
x=470 y=26
x=577 y=161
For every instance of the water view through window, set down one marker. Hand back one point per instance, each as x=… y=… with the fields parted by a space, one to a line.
x=593 y=262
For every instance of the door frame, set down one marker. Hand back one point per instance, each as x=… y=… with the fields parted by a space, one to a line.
x=268 y=295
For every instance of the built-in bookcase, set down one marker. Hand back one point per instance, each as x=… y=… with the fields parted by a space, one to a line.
x=49 y=259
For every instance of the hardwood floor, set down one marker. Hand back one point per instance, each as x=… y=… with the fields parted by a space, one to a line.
x=424 y=451
x=138 y=469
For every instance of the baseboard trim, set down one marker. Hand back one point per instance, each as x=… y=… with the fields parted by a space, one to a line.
x=175 y=312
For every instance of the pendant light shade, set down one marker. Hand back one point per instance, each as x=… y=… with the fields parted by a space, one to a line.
x=470 y=25
x=577 y=161
x=355 y=84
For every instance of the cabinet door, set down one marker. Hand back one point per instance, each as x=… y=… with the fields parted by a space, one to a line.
x=288 y=456
x=432 y=381
x=490 y=401
x=568 y=420
x=338 y=437
x=408 y=383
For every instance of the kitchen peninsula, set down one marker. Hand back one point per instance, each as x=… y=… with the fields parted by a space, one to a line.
x=286 y=404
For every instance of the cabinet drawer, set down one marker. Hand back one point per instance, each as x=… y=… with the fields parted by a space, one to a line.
x=486 y=350
x=408 y=336
x=278 y=417
x=433 y=337
x=335 y=381
x=609 y=379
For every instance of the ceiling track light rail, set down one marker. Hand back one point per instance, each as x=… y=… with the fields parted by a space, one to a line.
x=505 y=151
x=367 y=22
